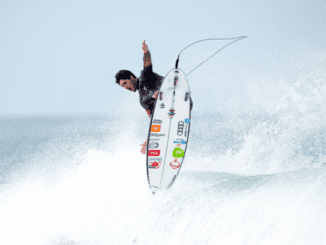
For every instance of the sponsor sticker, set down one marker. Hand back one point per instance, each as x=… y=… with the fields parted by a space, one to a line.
x=157 y=121
x=158 y=159
x=178 y=153
x=171 y=113
x=153 y=145
x=158 y=135
x=154 y=165
x=176 y=80
x=175 y=164
x=156 y=128
x=154 y=139
x=155 y=153
x=180 y=141
x=180 y=128
x=187 y=120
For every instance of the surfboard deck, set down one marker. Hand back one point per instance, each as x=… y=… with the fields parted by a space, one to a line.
x=168 y=132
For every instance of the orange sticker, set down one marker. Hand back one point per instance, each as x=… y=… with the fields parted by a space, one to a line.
x=156 y=128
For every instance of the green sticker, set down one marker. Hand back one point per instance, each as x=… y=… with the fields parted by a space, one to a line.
x=178 y=152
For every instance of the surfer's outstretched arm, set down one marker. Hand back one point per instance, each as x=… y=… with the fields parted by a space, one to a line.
x=147 y=55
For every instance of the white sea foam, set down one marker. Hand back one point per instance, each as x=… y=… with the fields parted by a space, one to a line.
x=256 y=177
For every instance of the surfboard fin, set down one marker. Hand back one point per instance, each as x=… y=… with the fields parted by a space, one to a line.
x=187 y=96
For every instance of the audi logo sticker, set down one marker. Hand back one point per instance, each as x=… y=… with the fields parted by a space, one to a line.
x=180 y=128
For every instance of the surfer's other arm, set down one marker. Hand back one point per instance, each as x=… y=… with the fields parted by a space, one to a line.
x=152 y=97
x=143 y=149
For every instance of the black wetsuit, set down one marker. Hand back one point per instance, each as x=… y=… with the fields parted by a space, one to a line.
x=148 y=83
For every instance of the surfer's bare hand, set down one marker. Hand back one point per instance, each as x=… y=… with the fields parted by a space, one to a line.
x=156 y=94
x=143 y=149
x=145 y=47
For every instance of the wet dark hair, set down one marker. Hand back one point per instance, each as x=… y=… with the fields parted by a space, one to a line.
x=123 y=74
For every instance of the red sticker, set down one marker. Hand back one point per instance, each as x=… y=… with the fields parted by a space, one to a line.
x=154 y=165
x=175 y=164
x=154 y=152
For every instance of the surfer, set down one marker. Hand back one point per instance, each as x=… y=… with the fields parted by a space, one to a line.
x=148 y=85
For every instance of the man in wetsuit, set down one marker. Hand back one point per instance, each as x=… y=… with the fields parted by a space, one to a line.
x=148 y=85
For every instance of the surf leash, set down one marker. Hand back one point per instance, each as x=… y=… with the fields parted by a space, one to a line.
x=210 y=39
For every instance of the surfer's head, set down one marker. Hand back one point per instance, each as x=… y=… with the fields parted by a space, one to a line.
x=126 y=79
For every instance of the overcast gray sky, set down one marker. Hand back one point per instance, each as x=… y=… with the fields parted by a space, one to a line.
x=60 y=56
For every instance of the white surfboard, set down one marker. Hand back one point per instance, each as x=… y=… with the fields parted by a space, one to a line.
x=169 y=130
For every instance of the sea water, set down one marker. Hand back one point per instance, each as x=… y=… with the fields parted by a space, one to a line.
x=255 y=177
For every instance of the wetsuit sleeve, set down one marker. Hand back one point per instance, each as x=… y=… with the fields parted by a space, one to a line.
x=148 y=99
x=147 y=73
x=147 y=59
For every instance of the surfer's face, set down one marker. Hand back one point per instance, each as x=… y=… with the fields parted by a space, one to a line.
x=127 y=83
